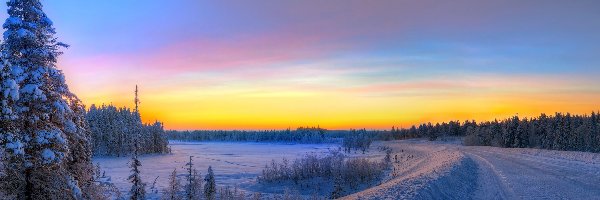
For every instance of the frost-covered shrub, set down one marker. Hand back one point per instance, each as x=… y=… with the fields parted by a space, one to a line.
x=333 y=168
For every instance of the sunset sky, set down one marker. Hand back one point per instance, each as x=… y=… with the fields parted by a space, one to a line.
x=338 y=64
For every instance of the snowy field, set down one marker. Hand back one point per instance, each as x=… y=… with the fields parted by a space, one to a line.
x=422 y=170
x=234 y=163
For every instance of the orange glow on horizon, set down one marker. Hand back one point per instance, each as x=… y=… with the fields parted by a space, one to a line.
x=212 y=109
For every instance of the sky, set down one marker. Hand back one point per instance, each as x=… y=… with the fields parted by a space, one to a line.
x=271 y=64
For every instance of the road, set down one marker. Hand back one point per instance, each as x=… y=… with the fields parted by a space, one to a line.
x=451 y=171
x=514 y=174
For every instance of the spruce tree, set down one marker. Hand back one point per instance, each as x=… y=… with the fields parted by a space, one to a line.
x=210 y=188
x=138 y=188
x=338 y=190
x=45 y=122
x=172 y=192
x=10 y=140
x=192 y=181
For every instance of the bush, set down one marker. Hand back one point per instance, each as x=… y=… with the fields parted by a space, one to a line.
x=333 y=168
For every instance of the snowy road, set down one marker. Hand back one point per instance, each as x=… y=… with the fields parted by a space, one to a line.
x=514 y=174
x=453 y=171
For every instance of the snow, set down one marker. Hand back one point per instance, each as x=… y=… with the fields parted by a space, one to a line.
x=70 y=127
x=11 y=90
x=420 y=166
x=48 y=155
x=16 y=147
x=234 y=163
x=33 y=89
x=12 y=21
x=452 y=171
x=24 y=33
x=424 y=170
x=73 y=185
x=536 y=174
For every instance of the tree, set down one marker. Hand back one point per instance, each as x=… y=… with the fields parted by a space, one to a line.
x=10 y=140
x=172 y=192
x=338 y=190
x=210 y=188
x=44 y=122
x=138 y=188
x=79 y=159
x=193 y=184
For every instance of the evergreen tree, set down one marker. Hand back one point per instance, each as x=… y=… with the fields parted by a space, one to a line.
x=338 y=190
x=10 y=140
x=193 y=182
x=44 y=114
x=172 y=192
x=210 y=188
x=79 y=160
x=138 y=188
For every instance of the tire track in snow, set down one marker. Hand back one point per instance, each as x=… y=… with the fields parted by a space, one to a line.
x=490 y=185
x=536 y=177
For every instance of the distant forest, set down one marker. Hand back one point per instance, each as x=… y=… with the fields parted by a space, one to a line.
x=559 y=132
x=556 y=132
x=300 y=135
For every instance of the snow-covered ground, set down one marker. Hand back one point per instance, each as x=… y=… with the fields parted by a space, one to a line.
x=423 y=170
x=452 y=171
x=234 y=163
x=535 y=174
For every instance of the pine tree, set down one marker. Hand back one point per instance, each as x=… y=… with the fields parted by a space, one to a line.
x=138 y=188
x=210 y=188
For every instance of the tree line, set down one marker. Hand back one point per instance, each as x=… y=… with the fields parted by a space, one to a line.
x=357 y=140
x=115 y=130
x=560 y=131
x=300 y=135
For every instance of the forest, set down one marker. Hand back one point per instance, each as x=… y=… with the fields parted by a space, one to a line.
x=115 y=130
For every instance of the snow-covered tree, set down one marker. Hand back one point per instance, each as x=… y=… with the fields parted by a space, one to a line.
x=172 y=192
x=338 y=189
x=210 y=188
x=45 y=116
x=194 y=184
x=138 y=188
x=10 y=140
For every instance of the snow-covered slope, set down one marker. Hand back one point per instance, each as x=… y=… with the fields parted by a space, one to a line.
x=425 y=171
